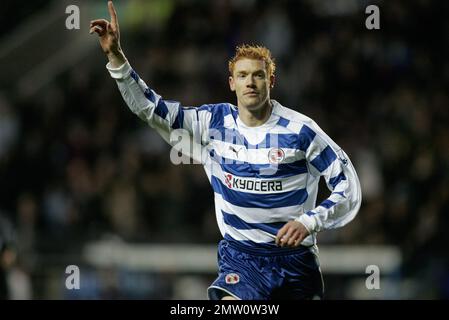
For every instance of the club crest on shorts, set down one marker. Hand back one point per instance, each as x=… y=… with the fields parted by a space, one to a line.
x=232 y=278
x=276 y=155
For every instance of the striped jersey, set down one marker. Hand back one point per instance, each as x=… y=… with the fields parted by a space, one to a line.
x=262 y=176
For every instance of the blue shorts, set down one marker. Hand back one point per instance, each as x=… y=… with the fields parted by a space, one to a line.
x=254 y=274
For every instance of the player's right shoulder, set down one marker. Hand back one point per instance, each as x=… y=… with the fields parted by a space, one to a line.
x=215 y=107
x=218 y=112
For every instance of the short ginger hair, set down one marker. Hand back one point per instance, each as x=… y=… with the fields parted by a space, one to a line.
x=253 y=52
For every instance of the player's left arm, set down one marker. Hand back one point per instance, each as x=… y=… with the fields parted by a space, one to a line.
x=325 y=158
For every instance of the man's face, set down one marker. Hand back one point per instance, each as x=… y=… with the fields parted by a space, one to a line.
x=251 y=83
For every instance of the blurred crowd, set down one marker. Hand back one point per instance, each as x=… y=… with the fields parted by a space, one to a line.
x=76 y=165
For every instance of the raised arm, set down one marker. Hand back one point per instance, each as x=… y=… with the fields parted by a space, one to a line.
x=162 y=115
x=109 y=37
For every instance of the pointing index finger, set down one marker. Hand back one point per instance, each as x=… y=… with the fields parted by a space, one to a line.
x=112 y=13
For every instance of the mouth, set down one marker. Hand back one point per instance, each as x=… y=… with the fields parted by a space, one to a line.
x=252 y=93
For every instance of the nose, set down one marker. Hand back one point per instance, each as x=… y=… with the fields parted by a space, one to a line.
x=250 y=83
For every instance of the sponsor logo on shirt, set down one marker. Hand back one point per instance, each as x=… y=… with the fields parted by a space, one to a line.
x=252 y=185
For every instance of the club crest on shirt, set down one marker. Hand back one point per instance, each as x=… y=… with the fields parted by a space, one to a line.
x=276 y=155
x=232 y=278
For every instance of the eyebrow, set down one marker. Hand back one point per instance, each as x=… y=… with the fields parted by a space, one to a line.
x=246 y=72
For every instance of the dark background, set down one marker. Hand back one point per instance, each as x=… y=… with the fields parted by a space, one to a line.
x=77 y=166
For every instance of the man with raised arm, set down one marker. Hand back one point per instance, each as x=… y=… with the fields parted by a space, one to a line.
x=264 y=162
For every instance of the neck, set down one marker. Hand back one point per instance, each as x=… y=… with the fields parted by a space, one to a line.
x=255 y=118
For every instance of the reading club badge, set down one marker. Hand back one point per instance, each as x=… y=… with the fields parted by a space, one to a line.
x=232 y=278
x=276 y=155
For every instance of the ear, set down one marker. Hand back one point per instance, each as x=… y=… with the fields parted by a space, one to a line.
x=231 y=83
x=272 y=81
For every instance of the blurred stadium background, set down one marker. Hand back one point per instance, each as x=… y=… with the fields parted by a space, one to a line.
x=85 y=182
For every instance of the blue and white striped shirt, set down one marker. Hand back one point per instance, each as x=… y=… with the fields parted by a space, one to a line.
x=262 y=176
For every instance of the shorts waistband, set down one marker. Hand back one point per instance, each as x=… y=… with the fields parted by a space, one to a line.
x=263 y=251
